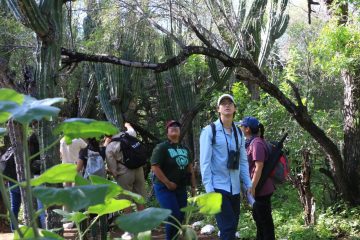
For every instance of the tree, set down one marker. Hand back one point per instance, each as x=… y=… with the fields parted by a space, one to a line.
x=244 y=62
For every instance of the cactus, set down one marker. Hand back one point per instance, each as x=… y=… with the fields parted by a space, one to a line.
x=275 y=28
x=87 y=94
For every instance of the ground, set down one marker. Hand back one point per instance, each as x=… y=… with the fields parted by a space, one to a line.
x=70 y=234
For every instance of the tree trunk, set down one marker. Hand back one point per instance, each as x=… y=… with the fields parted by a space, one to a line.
x=351 y=149
x=16 y=137
x=47 y=65
x=302 y=183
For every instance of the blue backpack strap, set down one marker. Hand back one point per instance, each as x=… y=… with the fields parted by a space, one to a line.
x=213 y=129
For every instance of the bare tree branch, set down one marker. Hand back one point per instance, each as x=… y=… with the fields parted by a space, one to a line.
x=197 y=32
x=296 y=94
x=154 y=23
x=186 y=52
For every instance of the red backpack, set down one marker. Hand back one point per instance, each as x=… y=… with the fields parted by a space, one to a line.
x=276 y=166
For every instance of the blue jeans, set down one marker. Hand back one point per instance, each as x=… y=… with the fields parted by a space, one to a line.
x=228 y=219
x=173 y=200
x=15 y=201
x=40 y=206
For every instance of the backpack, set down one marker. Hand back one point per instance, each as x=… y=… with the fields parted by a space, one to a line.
x=134 y=152
x=95 y=165
x=276 y=166
x=7 y=163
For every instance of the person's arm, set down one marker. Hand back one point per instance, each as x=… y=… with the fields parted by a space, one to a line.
x=79 y=165
x=111 y=158
x=244 y=166
x=258 y=155
x=190 y=169
x=205 y=158
x=130 y=130
x=257 y=173
x=162 y=178
x=81 y=160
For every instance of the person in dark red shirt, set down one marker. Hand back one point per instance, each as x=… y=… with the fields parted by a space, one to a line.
x=257 y=154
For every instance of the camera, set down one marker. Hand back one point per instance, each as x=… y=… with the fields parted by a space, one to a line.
x=233 y=160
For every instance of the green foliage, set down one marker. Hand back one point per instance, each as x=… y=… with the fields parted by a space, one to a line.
x=76 y=217
x=242 y=97
x=209 y=203
x=58 y=174
x=338 y=47
x=335 y=222
x=113 y=188
x=75 y=198
x=84 y=128
x=25 y=109
x=28 y=233
x=109 y=206
x=144 y=220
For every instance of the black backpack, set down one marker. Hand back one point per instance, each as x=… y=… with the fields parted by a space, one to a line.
x=276 y=165
x=135 y=154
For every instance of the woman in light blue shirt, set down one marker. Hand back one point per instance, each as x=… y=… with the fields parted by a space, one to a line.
x=223 y=163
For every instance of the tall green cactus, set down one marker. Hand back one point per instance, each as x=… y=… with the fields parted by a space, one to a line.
x=276 y=26
x=87 y=93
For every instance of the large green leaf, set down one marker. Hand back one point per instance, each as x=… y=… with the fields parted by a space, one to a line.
x=60 y=173
x=142 y=221
x=7 y=94
x=113 y=190
x=76 y=217
x=33 y=109
x=137 y=198
x=28 y=233
x=9 y=101
x=109 y=206
x=2 y=131
x=75 y=198
x=80 y=180
x=6 y=108
x=209 y=203
x=84 y=128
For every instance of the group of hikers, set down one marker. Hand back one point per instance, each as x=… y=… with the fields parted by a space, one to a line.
x=231 y=162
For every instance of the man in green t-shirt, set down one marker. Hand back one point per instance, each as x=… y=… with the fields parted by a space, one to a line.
x=173 y=170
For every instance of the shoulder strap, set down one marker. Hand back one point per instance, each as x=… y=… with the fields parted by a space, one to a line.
x=213 y=129
x=236 y=136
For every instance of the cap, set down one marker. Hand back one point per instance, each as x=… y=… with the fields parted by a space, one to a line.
x=225 y=96
x=250 y=122
x=171 y=123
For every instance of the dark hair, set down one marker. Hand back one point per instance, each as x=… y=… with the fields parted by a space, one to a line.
x=256 y=130
x=93 y=144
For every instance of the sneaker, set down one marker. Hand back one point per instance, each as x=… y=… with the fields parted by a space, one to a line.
x=68 y=225
x=127 y=236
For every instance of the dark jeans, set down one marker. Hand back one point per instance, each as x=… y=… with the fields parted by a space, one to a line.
x=228 y=219
x=263 y=218
x=173 y=200
x=15 y=200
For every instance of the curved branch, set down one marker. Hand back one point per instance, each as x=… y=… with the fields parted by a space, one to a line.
x=296 y=93
x=251 y=72
x=73 y=57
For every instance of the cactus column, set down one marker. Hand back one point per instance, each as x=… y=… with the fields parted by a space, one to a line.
x=45 y=19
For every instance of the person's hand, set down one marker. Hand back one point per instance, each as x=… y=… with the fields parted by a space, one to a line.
x=171 y=185
x=107 y=140
x=127 y=125
x=252 y=191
